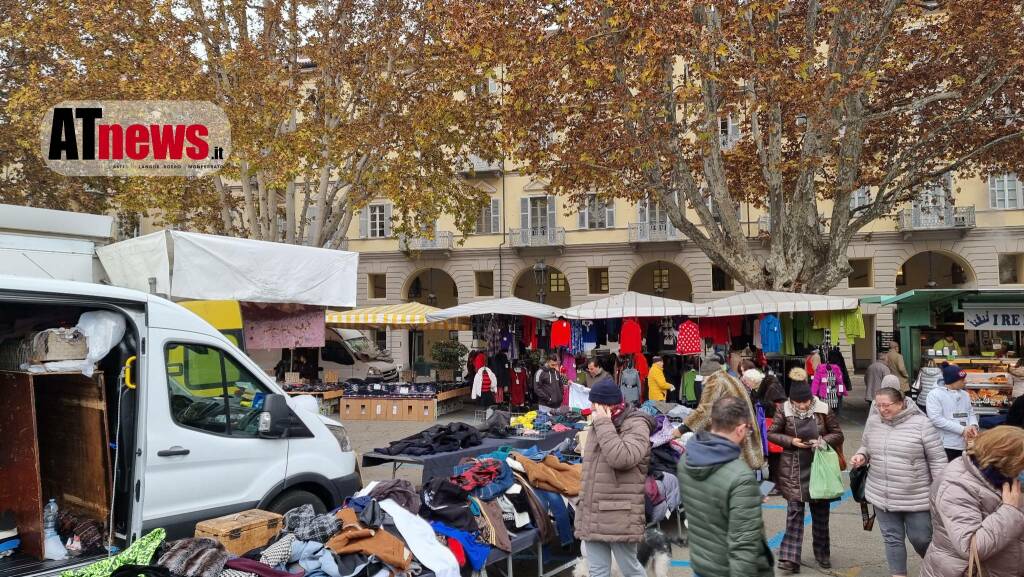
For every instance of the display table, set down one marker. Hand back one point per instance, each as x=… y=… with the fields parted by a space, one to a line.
x=401 y=407
x=441 y=464
x=989 y=386
x=329 y=401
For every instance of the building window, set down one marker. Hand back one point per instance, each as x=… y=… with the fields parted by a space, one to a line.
x=380 y=338
x=375 y=221
x=720 y=280
x=598 y=280
x=484 y=283
x=860 y=197
x=377 y=226
x=661 y=279
x=728 y=131
x=489 y=221
x=957 y=274
x=1010 y=268
x=556 y=282
x=377 y=286
x=860 y=276
x=597 y=213
x=1004 y=192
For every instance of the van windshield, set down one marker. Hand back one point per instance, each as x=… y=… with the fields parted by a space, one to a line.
x=360 y=345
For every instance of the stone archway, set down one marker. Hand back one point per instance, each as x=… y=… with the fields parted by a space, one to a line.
x=662 y=278
x=431 y=286
x=934 y=269
x=556 y=287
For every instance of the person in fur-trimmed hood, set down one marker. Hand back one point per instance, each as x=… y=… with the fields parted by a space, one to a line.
x=718 y=384
x=610 y=516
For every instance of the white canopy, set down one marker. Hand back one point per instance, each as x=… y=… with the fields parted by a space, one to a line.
x=189 y=265
x=633 y=304
x=505 y=306
x=760 y=301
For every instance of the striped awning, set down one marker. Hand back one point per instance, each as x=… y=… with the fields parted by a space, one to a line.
x=757 y=302
x=406 y=315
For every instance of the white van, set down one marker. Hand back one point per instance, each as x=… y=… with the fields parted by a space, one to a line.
x=203 y=433
x=346 y=352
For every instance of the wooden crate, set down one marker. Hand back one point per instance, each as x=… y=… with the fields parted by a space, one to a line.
x=242 y=532
x=426 y=410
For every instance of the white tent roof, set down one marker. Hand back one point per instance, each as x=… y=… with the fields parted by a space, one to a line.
x=633 y=304
x=505 y=306
x=189 y=265
x=760 y=301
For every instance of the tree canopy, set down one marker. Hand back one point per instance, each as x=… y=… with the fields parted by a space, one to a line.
x=791 y=106
x=331 y=103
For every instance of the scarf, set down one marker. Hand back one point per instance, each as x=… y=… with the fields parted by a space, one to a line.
x=618 y=410
x=994 y=476
x=803 y=414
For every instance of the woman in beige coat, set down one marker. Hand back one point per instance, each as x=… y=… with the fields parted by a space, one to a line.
x=977 y=504
x=894 y=360
x=610 y=515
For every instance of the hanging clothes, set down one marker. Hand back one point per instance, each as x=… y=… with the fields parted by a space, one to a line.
x=630 y=339
x=568 y=366
x=530 y=333
x=561 y=333
x=757 y=334
x=589 y=335
x=690 y=394
x=771 y=334
x=788 y=348
x=575 y=337
x=688 y=341
x=500 y=365
x=518 y=380
x=602 y=332
x=640 y=362
x=853 y=324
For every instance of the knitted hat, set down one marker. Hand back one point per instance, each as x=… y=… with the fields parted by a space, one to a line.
x=800 y=391
x=952 y=374
x=605 y=392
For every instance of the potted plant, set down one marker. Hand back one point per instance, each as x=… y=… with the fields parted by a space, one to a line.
x=448 y=357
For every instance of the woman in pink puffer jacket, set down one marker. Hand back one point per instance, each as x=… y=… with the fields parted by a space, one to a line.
x=978 y=500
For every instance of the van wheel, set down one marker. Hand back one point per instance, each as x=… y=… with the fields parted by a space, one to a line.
x=292 y=499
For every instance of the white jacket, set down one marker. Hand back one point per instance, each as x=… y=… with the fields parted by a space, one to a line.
x=951 y=412
x=478 y=382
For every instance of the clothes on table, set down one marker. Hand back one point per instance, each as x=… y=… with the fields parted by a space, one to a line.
x=538 y=513
x=485 y=478
x=630 y=339
x=240 y=566
x=315 y=559
x=194 y=557
x=448 y=503
x=138 y=553
x=420 y=538
x=668 y=492
x=556 y=507
x=492 y=525
x=436 y=439
x=399 y=490
x=476 y=552
x=273 y=557
x=550 y=474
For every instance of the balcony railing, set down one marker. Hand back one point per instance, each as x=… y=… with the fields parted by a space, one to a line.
x=480 y=166
x=940 y=218
x=537 y=237
x=443 y=240
x=653 y=232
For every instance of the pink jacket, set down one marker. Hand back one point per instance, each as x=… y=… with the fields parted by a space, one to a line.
x=819 y=384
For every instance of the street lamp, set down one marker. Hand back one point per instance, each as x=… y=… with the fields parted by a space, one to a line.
x=540 y=273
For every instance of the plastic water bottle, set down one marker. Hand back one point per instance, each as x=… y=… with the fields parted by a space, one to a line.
x=50 y=518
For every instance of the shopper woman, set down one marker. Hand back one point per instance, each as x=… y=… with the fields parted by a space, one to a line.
x=905 y=453
x=976 y=503
x=772 y=396
x=1017 y=374
x=805 y=424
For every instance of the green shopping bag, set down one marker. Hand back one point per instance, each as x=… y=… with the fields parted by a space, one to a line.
x=826 y=480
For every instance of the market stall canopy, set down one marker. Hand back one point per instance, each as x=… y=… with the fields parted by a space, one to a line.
x=187 y=265
x=762 y=302
x=505 y=306
x=405 y=315
x=634 y=304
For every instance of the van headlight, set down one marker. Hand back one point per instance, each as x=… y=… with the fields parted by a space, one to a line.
x=340 y=435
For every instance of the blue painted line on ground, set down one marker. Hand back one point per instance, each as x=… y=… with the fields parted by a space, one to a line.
x=776 y=540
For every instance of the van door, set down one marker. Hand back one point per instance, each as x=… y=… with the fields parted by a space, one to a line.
x=204 y=458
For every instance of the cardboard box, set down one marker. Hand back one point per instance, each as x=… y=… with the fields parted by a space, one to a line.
x=242 y=532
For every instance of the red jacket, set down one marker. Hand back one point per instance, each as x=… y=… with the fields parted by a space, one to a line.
x=561 y=333
x=629 y=338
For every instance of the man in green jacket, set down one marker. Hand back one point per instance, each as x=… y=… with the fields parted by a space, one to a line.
x=723 y=499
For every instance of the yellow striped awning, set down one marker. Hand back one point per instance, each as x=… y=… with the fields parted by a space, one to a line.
x=406 y=315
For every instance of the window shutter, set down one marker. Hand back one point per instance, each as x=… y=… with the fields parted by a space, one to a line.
x=364 y=222
x=387 y=220
x=582 y=220
x=495 y=215
x=734 y=130
x=610 y=214
x=524 y=213
x=551 y=213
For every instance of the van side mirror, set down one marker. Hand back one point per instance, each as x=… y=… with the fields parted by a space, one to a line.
x=275 y=418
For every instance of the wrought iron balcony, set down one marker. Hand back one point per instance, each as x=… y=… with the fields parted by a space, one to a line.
x=939 y=218
x=443 y=241
x=653 y=232
x=537 y=237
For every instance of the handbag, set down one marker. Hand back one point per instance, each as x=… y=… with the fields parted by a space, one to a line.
x=826 y=480
x=974 y=568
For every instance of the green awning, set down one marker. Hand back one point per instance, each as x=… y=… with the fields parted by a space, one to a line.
x=923 y=296
x=872 y=300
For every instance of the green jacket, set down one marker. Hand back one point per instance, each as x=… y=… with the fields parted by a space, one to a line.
x=723 y=507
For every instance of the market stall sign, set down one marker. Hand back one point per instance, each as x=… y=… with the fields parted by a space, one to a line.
x=981 y=318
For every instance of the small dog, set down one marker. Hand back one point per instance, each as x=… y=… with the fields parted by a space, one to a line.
x=654 y=552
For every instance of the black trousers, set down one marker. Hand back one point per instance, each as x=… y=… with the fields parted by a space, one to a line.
x=953 y=453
